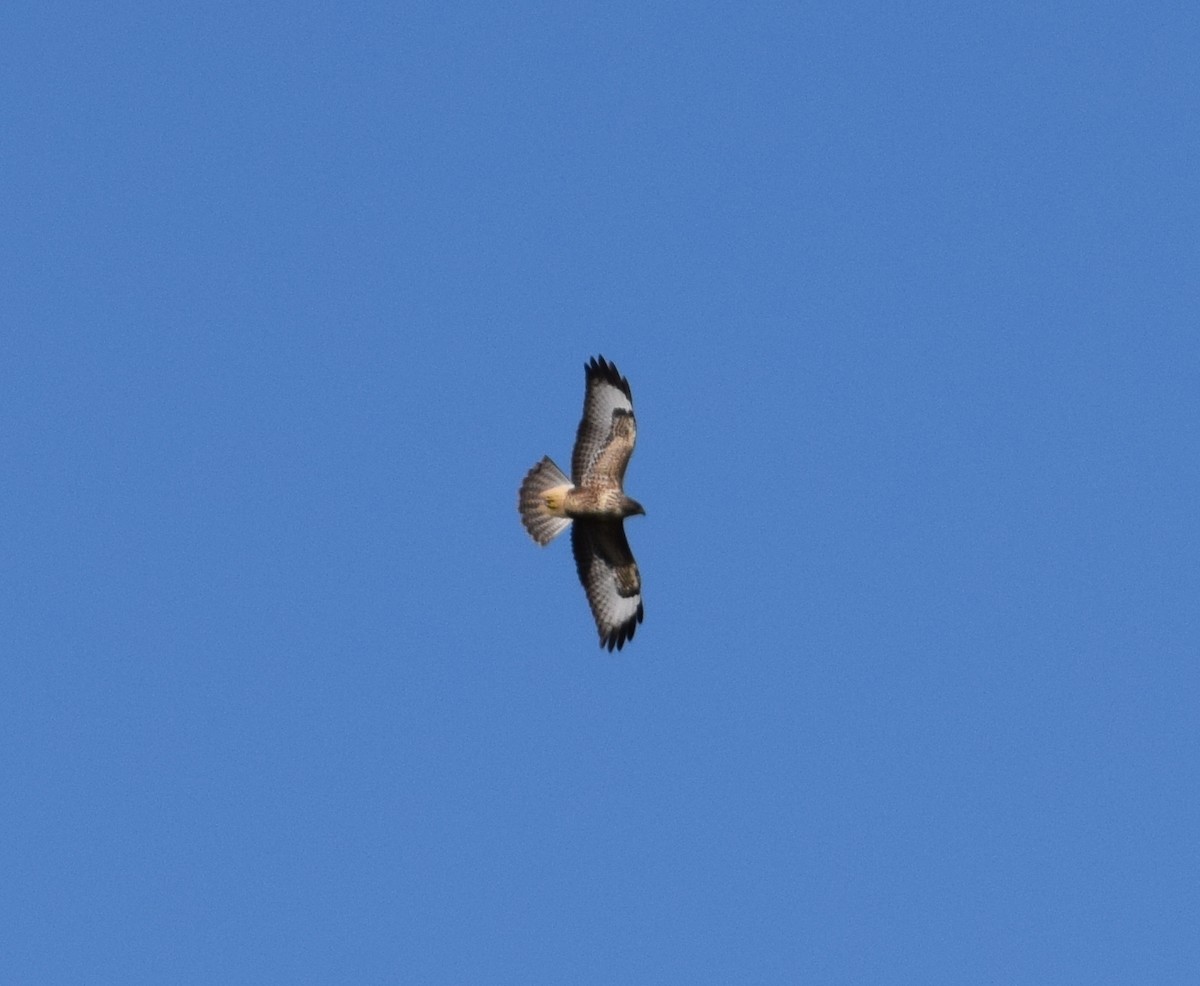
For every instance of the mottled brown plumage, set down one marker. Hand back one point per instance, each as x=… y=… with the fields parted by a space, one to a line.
x=593 y=501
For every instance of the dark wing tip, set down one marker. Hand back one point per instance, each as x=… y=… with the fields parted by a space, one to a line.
x=616 y=637
x=598 y=368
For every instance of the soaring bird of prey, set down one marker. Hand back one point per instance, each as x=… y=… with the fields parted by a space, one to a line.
x=594 y=504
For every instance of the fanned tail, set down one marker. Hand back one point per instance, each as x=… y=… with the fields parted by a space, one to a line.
x=541 y=499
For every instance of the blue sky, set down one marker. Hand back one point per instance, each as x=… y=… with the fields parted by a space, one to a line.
x=293 y=296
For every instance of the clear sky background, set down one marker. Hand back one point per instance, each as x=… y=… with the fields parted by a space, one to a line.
x=294 y=294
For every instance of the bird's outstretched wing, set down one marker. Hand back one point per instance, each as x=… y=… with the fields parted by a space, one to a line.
x=607 y=432
x=610 y=577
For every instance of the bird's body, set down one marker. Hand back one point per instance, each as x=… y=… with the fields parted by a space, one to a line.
x=575 y=502
x=594 y=504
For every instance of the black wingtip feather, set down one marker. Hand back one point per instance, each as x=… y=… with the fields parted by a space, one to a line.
x=618 y=637
x=598 y=368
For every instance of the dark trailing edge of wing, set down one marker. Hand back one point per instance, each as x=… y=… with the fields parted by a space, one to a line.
x=600 y=368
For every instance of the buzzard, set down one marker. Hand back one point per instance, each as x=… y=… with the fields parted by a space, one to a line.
x=594 y=500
